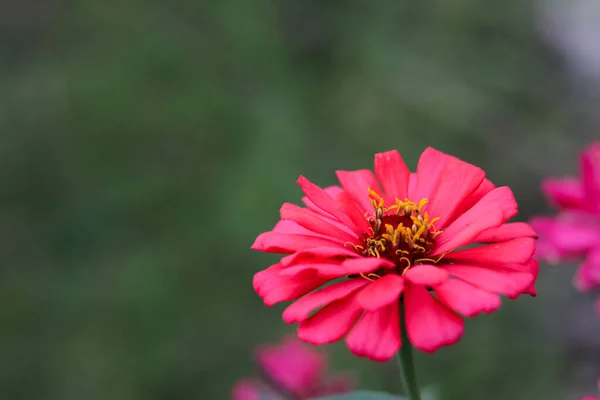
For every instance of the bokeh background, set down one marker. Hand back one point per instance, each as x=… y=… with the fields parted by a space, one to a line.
x=145 y=144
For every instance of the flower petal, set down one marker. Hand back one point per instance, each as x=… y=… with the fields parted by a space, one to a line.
x=393 y=174
x=313 y=222
x=412 y=185
x=446 y=181
x=324 y=269
x=588 y=275
x=323 y=200
x=484 y=188
x=301 y=308
x=282 y=243
x=357 y=185
x=534 y=268
x=590 y=173
x=331 y=191
x=506 y=232
x=331 y=323
x=381 y=293
x=496 y=280
x=564 y=192
x=516 y=251
x=429 y=324
x=293 y=365
x=246 y=390
x=274 y=288
x=428 y=275
x=377 y=334
x=491 y=211
x=466 y=299
x=365 y=265
x=318 y=253
x=345 y=203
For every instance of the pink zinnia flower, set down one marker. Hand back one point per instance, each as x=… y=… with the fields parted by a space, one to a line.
x=575 y=231
x=397 y=235
x=290 y=370
x=593 y=397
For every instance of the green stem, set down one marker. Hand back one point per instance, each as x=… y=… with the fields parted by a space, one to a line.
x=405 y=362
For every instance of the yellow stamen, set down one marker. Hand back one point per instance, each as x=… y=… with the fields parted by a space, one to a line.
x=370 y=277
x=356 y=246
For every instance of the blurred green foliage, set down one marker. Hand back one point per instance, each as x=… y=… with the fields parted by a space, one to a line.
x=145 y=144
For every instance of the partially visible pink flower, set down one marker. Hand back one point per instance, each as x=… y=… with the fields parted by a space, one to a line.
x=593 y=397
x=291 y=369
x=575 y=232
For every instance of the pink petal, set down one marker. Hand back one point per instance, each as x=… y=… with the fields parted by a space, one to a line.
x=381 y=293
x=516 y=251
x=365 y=265
x=377 y=334
x=331 y=191
x=273 y=242
x=318 y=253
x=412 y=185
x=533 y=268
x=357 y=185
x=590 y=167
x=324 y=269
x=447 y=182
x=331 y=323
x=294 y=365
x=246 y=390
x=331 y=269
x=564 y=192
x=496 y=280
x=428 y=275
x=466 y=299
x=274 y=288
x=574 y=236
x=588 y=275
x=313 y=222
x=506 y=232
x=491 y=211
x=345 y=203
x=322 y=200
x=301 y=308
x=393 y=174
x=429 y=324
x=484 y=188
x=291 y=227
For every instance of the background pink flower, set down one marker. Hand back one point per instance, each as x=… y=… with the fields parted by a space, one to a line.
x=575 y=231
x=291 y=369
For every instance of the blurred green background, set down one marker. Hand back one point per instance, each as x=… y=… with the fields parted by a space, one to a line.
x=145 y=144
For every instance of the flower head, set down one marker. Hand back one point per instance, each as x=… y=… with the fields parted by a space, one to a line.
x=290 y=370
x=575 y=231
x=354 y=251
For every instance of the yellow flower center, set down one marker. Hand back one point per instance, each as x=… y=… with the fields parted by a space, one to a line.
x=400 y=232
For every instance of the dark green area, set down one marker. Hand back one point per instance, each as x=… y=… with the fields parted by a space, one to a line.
x=145 y=144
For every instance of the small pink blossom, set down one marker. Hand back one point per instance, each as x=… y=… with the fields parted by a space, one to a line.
x=291 y=369
x=575 y=232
